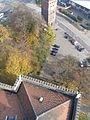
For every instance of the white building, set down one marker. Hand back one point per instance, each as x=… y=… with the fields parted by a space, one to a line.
x=48 y=10
x=82 y=5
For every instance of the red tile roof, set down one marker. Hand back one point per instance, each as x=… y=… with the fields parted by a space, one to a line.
x=51 y=98
x=61 y=112
x=25 y=103
x=9 y=105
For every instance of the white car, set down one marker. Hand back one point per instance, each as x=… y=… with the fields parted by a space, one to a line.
x=1 y=15
x=76 y=43
x=85 y=63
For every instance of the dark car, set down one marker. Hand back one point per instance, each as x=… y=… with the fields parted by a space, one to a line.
x=66 y=36
x=53 y=53
x=55 y=49
x=72 y=41
x=65 y=33
x=79 y=48
x=56 y=29
x=56 y=46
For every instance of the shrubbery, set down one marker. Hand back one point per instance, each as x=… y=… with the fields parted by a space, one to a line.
x=80 y=18
x=83 y=116
x=69 y=15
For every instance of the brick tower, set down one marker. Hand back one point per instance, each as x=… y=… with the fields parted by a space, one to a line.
x=49 y=10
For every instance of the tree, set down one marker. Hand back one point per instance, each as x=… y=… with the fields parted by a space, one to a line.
x=18 y=63
x=42 y=47
x=4 y=33
x=49 y=34
x=29 y=46
x=80 y=19
x=6 y=77
x=23 y=23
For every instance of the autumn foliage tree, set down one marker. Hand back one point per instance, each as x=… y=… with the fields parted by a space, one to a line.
x=27 y=44
x=4 y=33
x=18 y=63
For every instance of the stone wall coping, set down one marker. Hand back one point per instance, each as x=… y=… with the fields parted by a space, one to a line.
x=47 y=85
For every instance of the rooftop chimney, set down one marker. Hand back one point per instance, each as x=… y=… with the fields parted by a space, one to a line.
x=41 y=99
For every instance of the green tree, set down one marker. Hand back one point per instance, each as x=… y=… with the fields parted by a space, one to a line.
x=42 y=48
x=49 y=34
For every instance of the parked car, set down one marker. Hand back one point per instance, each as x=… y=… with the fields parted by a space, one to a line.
x=72 y=41
x=56 y=29
x=65 y=33
x=53 y=53
x=56 y=46
x=85 y=63
x=56 y=49
x=79 y=48
x=76 y=43
x=65 y=36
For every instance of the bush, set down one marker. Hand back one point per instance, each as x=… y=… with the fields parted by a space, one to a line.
x=80 y=18
x=85 y=27
x=69 y=15
x=72 y=17
x=83 y=116
x=65 y=12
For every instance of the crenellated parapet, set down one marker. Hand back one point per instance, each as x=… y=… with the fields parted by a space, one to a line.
x=76 y=96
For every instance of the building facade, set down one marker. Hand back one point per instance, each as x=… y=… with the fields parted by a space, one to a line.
x=48 y=10
x=81 y=5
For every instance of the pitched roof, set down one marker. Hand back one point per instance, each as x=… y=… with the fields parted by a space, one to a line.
x=9 y=105
x=61 y=112
x=51 y=98
x=23 y=101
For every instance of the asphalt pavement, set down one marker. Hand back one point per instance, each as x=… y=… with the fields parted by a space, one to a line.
x=66 y=48
x=80 y=36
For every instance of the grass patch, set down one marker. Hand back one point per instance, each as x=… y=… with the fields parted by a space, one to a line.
x=83 y=116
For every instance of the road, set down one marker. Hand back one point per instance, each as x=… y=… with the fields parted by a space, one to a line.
x=80 y=36
x=66 y=48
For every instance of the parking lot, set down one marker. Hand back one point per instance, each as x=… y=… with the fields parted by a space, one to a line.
x=66 y=47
